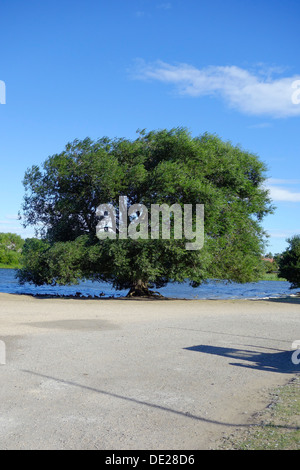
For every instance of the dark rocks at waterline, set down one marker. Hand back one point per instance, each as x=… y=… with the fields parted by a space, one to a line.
x=78 y=295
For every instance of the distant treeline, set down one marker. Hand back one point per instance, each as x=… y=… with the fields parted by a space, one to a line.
x=11 y=246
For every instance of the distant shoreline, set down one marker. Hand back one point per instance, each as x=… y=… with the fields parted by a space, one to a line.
x=6 y=266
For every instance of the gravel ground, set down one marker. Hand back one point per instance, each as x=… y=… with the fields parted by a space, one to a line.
x=135 y=374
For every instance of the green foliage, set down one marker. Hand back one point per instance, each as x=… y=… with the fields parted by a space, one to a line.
x=270 y=263
x=289 y=262
x=166 y=166
x=10 y=249
x=270 y=266
x=44 y=263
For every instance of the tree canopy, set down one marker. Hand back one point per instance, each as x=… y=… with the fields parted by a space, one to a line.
x=289 y=262
x=158 y=167
x=10 y=249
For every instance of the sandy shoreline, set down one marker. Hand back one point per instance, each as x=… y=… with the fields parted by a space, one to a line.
x=136 y=374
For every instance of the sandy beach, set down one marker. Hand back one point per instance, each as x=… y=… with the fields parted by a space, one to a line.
x=137 y=374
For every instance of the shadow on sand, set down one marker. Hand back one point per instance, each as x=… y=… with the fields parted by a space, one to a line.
x=142 y=402
x=285 y=300
x=279 y=361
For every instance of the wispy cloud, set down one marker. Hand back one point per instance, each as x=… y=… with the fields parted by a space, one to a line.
x=164 y=6
x=261 y=125
x=282 y=233
x=248 y=92
x=280 y=193
x=283 y=181
x=11 y=223
x=139 y=14
x=12 y=217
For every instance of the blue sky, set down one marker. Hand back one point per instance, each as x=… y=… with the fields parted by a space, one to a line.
x=74 y=68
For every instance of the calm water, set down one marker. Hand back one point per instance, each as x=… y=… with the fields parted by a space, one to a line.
x=209 y=290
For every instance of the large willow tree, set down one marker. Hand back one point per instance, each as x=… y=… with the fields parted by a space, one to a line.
x=159 y=167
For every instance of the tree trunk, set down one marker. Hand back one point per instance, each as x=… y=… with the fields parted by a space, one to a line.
x=141 y=289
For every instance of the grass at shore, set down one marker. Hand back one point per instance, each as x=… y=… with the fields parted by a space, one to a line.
x=272 y=277
x=277 y=427
x=9 y=266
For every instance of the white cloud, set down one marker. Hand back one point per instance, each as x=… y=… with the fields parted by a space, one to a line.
x=272 y=181
x=281 y=194
x=282 y=233
x=249 y=92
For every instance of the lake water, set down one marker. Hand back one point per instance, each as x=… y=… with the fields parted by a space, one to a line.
x=208 y=290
